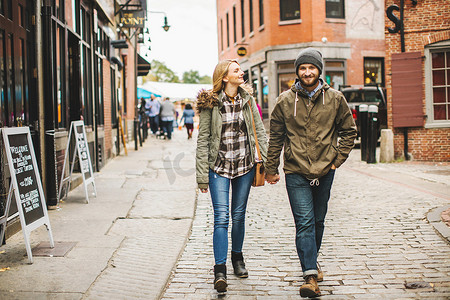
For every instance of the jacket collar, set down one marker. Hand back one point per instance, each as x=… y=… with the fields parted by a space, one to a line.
x=303 y=93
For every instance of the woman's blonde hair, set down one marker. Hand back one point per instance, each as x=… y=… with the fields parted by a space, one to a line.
x=220 y=72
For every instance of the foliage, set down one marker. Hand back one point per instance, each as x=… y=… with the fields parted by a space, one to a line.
x=160 y=72
x=194 y=77
x=191 y=76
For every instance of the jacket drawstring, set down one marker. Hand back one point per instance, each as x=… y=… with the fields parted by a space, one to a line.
x=314 y=182
x=295 y=104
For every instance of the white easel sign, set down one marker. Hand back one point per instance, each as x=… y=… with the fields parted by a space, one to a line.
x=82 y=152
x=26 y=183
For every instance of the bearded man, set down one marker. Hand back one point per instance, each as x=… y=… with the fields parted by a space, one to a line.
x=307 y=121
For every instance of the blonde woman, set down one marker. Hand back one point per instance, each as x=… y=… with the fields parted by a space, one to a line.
x=225 y=157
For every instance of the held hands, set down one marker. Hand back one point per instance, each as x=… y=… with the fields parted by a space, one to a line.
x=272 y=178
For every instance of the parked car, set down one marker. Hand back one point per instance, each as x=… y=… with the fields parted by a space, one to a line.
x=370 y=95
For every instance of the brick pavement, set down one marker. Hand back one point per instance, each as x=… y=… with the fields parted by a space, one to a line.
x=376 y=240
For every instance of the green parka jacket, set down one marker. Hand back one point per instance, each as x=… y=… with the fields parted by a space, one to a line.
x=209 y=105
x=309 y=128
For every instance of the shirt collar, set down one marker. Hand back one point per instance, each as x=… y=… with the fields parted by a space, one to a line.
x=310 y=94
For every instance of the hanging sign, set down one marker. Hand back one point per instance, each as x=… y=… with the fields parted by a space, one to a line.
x=26 y=183
x=132 y=18
x=81 y=151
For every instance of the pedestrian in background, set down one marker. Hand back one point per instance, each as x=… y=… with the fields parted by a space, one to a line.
x=153 y=107
x=226 y=156
x=307 y=120
x=143 y=118
x=167 y=116
x=188 y=117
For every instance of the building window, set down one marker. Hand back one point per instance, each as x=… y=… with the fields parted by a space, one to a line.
x=289 y=10
x=374 y=70
x=234 y=24
x=59 y=87
x=438 y=73
x=261 y=12
x=242 y=19
x=251 y=14
x=335 y=9
x=286 y=76
x=334 y=73
x=228 y=32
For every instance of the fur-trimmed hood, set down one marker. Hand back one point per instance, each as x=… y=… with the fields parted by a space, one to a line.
x=207 y=99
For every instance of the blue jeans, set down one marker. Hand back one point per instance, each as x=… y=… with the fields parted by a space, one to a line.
x=219 y=188
x=154 y=123
x=309 y=204
x=167 y=127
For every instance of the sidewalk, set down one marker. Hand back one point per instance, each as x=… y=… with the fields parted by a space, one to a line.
x=127 y=239
x=148 y=235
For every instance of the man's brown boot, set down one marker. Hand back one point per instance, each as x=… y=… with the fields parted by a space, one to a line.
x=310 y=288
x=320 y=273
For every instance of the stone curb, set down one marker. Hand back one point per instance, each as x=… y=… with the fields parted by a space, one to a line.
x=434 y=218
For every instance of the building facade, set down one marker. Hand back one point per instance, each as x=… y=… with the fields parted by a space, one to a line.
x=418 y=81
x=63 y=61
x=270 y=34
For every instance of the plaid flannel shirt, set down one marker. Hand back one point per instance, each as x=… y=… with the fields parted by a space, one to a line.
x=234 y=157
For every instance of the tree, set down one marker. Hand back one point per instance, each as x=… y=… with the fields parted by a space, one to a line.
x=191 y=76
x=160 y=72
x=194 y=77
x=205 y=79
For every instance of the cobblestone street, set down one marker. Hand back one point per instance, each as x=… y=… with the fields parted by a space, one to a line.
x=376 y=240
x=148 y=235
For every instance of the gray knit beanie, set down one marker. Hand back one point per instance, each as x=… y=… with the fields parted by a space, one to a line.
x=309 y=56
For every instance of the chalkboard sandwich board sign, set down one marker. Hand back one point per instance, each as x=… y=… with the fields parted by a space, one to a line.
x=78 y=131
x=26 y=183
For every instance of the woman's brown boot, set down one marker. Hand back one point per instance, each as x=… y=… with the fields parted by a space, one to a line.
x=220 y=278
x=238 y=264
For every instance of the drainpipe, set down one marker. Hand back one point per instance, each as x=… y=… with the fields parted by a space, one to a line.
x=51 y=185
x=40 y=90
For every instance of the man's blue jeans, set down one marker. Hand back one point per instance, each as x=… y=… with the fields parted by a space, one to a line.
x=219 y=188
x=309 y=204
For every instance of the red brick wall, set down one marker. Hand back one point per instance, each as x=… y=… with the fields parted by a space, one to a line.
x=107 y=107
x=426 y=23
x=314 y=25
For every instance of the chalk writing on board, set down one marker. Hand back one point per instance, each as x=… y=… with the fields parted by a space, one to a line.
x=84 y=163
x=22 y=163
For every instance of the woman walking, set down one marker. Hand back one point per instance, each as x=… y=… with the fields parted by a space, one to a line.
x=188 y=117
x=226 y=155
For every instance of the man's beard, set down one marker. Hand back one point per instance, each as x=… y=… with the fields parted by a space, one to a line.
x=304 y=84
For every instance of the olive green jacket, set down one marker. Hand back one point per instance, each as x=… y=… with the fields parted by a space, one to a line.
x=309 y=132
x=210 y=131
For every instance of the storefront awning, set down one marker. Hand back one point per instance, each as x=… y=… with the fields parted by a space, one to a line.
x=143 y=66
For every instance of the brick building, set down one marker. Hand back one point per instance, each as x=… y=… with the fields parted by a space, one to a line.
x=418 y=80
x=270 y=33
x=59 y=64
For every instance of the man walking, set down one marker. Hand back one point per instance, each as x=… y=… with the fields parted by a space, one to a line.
x=307 y=120
x=152 y=108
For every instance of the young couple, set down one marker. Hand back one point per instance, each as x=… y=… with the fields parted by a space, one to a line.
x=307 y=121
